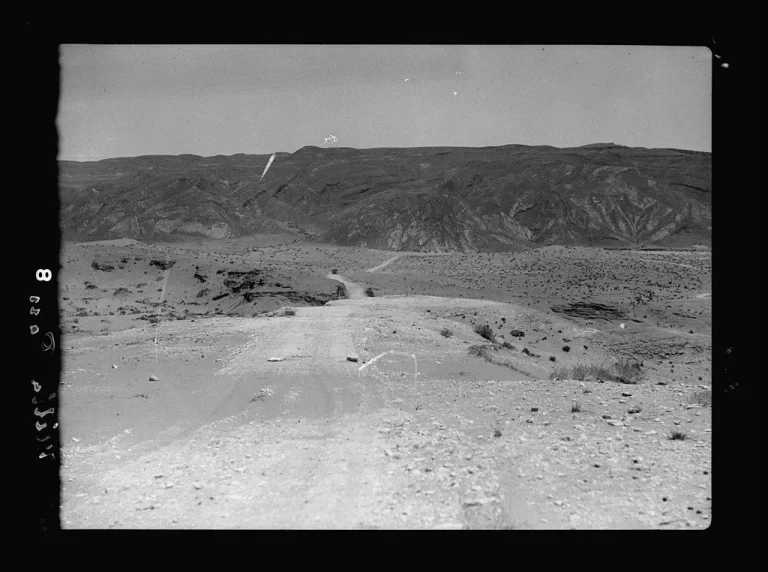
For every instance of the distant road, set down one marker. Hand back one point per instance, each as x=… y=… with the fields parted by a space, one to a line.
x=391 y=260
x=383 y=264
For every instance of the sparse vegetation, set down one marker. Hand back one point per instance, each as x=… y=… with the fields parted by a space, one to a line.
x=627 y=370
x=507 y=345
x=485 y=331
x=575 y=407
x=624 y=371
x=676 y=435
x=446 y=333
x=580 y=372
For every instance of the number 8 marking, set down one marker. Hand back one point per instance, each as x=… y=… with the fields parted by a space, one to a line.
x=43 y=275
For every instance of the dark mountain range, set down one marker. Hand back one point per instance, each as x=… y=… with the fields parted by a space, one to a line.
x=431 y=198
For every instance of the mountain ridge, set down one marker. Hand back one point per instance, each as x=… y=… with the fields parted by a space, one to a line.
x=422 y=198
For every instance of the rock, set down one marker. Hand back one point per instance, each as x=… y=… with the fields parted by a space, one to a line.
x=635 y=409
x=275 y=359
x=626 y=394
x=114 y=366
x=517 y=333
x=352 y=358
x=153 y=378
x=614 y=422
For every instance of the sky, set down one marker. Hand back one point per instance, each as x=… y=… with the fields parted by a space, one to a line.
x=130 y=100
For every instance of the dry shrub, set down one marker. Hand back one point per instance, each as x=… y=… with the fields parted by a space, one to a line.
x=624 y=371
x=486 y=332
x=627 y=371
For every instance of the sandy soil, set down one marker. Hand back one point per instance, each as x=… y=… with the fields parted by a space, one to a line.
x=200 y=429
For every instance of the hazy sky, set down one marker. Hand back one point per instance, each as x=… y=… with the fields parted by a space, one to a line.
x=120 y=101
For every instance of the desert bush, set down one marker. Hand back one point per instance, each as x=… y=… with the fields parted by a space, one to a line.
x=485 y=331
x=560 y=373
x=575 y=407
x=675 y=435
x=335 y=271
x=507 y=345
x=369 y=292
x=580 y=372
x=627 y=371
x=446 y=333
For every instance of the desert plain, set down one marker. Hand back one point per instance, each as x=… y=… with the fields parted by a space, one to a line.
x=268 y=382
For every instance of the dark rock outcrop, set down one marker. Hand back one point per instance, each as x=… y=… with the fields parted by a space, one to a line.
x=589 y=311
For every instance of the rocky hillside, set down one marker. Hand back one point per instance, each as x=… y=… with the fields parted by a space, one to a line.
x=421 y=199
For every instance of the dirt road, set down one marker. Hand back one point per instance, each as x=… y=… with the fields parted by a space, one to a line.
x=227 y=438
x=293 y=443
x=354 y=290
